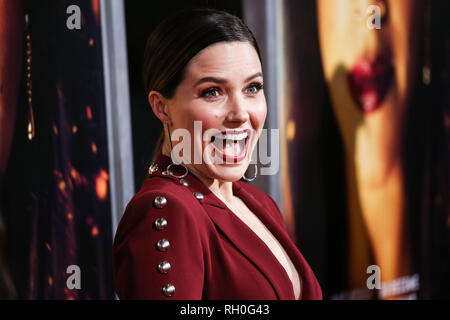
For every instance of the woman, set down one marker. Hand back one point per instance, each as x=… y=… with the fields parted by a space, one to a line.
x=377 y=87
x=194 y=231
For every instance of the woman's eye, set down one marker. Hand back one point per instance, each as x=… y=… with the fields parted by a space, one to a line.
x=211 y=93
x=254 y=88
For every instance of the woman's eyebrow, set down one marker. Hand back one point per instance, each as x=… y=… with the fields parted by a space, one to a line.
x=223 y=81
x=256 y=75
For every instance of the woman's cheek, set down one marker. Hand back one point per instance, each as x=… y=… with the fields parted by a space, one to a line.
x=210 y=120
x=260 y=114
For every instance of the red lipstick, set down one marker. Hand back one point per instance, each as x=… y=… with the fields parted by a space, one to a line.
x=369 y=83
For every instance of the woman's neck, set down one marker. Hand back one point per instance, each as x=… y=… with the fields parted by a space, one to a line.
x=222 y=189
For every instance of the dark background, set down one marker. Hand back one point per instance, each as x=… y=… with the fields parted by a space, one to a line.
x=53 y=213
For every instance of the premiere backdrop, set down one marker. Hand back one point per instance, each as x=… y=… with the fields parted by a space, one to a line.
x=65 y=188
x=56 y=193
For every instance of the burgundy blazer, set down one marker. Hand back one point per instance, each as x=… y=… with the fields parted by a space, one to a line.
x=177 y=240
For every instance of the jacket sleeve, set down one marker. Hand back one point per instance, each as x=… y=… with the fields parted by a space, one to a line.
x=157 y=253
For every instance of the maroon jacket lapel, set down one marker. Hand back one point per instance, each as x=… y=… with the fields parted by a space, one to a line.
x=245 y=239
x=309 y=286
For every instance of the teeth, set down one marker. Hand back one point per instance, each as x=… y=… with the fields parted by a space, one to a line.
x=230 y=142
x=232 y=137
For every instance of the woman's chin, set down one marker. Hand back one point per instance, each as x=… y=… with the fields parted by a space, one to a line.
x=227 y=169
x=227 y=173
x=229 y=177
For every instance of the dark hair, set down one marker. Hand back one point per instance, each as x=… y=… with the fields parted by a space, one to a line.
x=178 y=39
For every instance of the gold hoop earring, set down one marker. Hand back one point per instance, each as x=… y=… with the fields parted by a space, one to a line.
x=180 y=176
x=254 y=176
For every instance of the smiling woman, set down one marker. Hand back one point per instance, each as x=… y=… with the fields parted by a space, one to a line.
x=225 y=99
x=194 y=230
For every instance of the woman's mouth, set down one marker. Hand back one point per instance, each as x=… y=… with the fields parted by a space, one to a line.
x=369 y=83
x=231 y=146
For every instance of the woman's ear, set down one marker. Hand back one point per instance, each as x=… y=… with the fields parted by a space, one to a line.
x=159 y=106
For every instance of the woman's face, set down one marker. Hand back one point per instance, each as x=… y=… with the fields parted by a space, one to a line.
x=222 y=91
x=370 y=72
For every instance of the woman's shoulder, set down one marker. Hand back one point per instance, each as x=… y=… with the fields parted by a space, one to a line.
x=157 y=185
x=159 y=232
x=158 y=196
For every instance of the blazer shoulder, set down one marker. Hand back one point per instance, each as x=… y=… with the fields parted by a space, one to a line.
x=158 y=196
x=159 y=232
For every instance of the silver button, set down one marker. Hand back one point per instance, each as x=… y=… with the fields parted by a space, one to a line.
x=160 y=224
x=160 y=202
x=163 y=245
x=184 y=183
x=153 y=168
x=198 y=196
x=168 y=290
x=164 y=267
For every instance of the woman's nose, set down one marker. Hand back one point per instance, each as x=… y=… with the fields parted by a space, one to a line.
x=237 y=112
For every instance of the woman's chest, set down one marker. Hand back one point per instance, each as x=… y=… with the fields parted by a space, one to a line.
x=231 y=275
x=265 y=235
x=247 y=262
